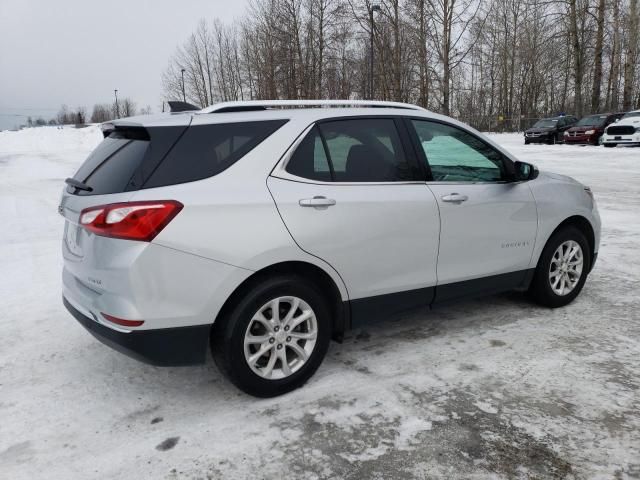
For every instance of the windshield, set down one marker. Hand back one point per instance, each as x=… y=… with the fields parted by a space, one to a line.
x=631 y=114
x=594 y=120
x=545 y=123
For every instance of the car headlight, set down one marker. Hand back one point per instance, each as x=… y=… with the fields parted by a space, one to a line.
x=637 y=129
x=589 y=132
x=566 y=133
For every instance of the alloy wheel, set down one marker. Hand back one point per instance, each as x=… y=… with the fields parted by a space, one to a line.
x=566 y=267
x=280 y=337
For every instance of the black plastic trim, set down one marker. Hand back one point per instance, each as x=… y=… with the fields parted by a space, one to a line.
x=483 y=286
x=161 y=347
x=383 y=307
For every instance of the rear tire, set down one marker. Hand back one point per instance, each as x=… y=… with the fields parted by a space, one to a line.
x=250 y=327
x=560 y=276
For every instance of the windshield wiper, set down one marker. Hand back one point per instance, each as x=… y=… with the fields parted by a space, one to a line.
x=78 y=185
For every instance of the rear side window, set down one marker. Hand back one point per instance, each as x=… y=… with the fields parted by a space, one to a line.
x=206 y=150
x=310 y=160
x=354 y=150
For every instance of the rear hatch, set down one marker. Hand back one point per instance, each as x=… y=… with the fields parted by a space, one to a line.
x=116 y=169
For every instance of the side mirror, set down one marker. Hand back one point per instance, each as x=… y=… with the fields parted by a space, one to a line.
x=525 y=171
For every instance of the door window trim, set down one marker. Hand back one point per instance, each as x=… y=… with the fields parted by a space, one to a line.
x=427 y=166
x=408 y=149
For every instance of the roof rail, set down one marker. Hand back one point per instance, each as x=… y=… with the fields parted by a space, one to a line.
x=252 y=105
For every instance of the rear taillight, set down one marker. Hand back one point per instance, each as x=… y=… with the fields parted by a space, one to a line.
x=132 y=220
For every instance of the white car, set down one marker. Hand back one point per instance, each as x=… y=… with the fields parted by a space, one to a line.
x=625 y=131
x=264 y=229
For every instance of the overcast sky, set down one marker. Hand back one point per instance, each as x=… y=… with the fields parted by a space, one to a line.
x=77 y=51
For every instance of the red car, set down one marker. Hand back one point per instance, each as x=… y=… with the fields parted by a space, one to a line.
x=590 y=128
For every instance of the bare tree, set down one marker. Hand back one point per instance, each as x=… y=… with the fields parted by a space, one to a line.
x=497 y=64
x=102 y=112
x=631 y=54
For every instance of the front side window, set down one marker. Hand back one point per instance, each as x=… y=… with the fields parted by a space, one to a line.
x=457 y=156
x=354 y=150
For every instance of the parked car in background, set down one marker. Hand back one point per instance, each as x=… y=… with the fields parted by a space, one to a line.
x=549 y=130
x=590 y=128
x=263 y=231
x=624 y=132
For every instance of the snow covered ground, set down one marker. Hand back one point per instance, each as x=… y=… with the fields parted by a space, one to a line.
x=493 y=388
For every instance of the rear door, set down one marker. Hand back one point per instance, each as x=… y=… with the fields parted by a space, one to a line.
x=488 y=223
x=351 y=194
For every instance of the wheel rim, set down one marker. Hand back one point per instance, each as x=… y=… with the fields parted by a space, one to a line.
x=566 y=267
x=280 y=337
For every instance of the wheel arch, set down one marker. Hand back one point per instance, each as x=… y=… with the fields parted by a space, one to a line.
x=584 y=225
x=339 y=308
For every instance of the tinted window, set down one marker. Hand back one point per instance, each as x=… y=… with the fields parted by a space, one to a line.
x=592 y=120
x=545 y=123
x=206 y=150
x=110 y=167
x=310 y=160
x=365 y=150
x=457 y=156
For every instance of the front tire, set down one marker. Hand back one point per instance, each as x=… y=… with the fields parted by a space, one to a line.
x=274 y=338
x=562 y=269
x=609 y=145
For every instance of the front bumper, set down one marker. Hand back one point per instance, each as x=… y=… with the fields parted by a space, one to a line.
x=580 y=139
x=621 y=139
x=161 y=347
x=539 y=138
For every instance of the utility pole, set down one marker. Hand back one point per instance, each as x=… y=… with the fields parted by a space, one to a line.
x=184 y=97
x=372 y=8
x=115 y=92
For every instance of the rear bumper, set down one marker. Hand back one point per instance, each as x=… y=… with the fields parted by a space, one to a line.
x=161 y=347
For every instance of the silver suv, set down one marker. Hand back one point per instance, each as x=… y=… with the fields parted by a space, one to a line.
x=265 y=229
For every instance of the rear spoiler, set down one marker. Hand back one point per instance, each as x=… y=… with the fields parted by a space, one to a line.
x=132 y=132
x=177 y=106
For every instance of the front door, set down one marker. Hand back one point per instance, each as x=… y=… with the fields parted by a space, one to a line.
x=488 y=224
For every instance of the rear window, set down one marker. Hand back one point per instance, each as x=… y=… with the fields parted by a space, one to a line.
x=206 y=150
x=110 y=167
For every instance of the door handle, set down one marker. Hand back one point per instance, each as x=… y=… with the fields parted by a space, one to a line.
x=318 y=202
x=455 y=198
